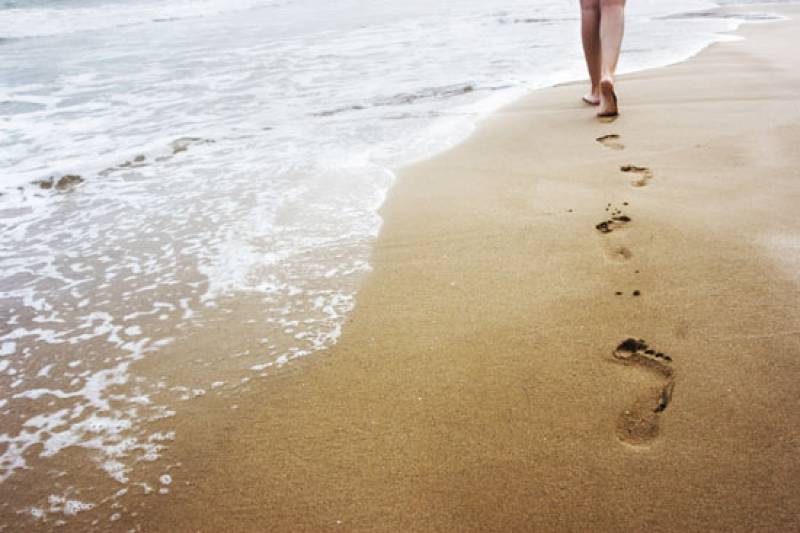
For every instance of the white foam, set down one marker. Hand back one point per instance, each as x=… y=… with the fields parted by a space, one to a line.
x=60 y=504
x=7 y=348
x=60 y=19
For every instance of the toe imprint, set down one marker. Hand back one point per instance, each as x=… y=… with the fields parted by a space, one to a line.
x=617 y=220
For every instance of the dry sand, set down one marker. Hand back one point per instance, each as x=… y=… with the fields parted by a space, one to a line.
x=476 y=386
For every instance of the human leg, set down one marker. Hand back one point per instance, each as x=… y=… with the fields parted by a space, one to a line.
x=590 y=35
x=612 y=26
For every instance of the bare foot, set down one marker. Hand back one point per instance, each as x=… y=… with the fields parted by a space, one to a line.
x=608 y=99
x=591 y=99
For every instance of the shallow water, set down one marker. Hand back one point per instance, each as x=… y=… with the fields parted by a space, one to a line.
x=225 y=150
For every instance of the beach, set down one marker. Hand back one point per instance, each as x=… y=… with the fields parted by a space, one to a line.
x=483 y=381
x=568 y=324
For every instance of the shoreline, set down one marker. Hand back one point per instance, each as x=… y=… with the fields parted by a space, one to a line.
x=482 y=381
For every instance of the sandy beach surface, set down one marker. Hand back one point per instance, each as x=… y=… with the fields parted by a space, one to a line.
x=559 y=334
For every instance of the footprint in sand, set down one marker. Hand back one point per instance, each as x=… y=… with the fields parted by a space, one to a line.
x=611 y=141
x=640 y=423
x=644 y=174
x=617 y=220
x=614 y=248
x=618 y=253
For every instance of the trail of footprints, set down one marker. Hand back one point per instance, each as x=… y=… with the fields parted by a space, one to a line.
x=639 y=424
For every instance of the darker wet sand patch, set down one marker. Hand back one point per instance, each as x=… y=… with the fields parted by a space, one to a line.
x=63 y=184
x=183 y=144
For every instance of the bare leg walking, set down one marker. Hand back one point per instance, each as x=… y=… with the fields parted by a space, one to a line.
x=590 y=34
x=612 y=27
x=602 y=28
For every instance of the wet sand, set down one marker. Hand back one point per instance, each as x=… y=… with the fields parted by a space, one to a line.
x=559 y=334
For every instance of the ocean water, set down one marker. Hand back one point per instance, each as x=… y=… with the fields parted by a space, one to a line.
x=163 y=160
